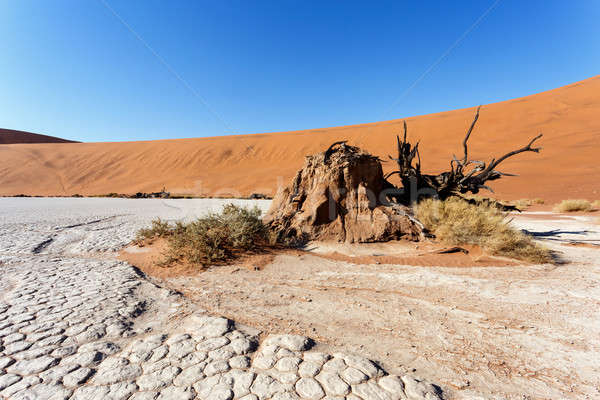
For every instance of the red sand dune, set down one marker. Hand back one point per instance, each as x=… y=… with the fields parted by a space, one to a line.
x=10 y=136
x=567 y=167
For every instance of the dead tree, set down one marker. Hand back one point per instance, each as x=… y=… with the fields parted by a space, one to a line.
x=465 y=175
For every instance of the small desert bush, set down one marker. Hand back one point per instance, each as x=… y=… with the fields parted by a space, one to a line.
x=456 y=222
x=596 y=204
x=573 y=205
x=525 y=203
x=215 y=238
x=158 y=229
x=522 y=203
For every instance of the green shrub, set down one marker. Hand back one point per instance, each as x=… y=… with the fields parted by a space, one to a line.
x=158 y=229
x=214 y=238
x=456 y=222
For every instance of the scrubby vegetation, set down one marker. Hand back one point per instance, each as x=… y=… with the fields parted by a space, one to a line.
x=158 y=229
x=213 y=239
x=596 y=204
x=573 y=205
x=220 y=237
x=457 y=222
x=522 y=203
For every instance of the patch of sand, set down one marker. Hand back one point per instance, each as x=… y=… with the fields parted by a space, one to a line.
x=424 y=254
x=583 y=244
x=239 y=165
x=149 y=259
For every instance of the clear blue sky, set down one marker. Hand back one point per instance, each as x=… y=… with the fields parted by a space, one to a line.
x=73 y=69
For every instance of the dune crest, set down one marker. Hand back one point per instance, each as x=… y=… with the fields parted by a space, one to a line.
x=11 y=136
x=239 y=165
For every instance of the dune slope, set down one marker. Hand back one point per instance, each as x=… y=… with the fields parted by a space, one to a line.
x=239 y=165
x=11 y=136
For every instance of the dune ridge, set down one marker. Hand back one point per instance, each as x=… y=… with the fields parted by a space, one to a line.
x=567 y=167
x=11 y=136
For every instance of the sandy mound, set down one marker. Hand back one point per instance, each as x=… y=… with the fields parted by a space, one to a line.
x=10 y=136
x=339 y=195
x=240 y=165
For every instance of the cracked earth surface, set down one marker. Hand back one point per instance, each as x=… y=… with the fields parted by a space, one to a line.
x=75 y=323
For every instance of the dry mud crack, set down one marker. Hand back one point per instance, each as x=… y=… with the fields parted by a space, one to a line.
x=77 y=324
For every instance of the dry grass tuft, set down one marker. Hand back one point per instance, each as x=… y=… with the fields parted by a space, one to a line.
x=213 y=239
x=522 y=204
x=573 y=205
x=456 y=222
x=596 y=204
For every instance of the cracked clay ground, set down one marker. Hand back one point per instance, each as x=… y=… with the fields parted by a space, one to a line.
x=75 y=323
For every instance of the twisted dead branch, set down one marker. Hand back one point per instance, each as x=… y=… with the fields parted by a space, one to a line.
x=465 y=176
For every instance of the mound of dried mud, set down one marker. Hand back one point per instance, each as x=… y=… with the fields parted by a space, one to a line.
x=341 y=195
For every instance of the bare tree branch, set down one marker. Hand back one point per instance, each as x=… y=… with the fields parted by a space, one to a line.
x=494 y=163
x=459 y=179
x=466 y=139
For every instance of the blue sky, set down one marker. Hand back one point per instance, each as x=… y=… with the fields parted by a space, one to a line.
x=74 y=69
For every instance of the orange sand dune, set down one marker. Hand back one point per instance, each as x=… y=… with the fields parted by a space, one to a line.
x=568 y=167
x=10 y=136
